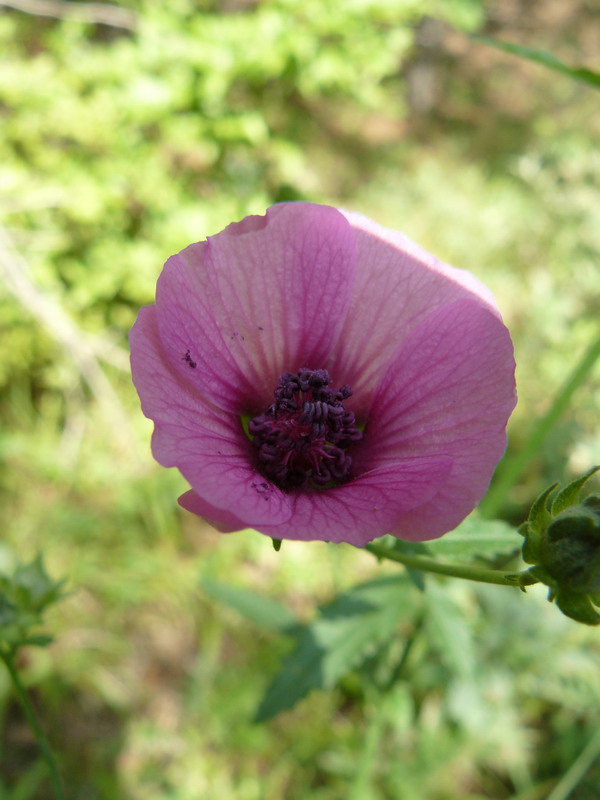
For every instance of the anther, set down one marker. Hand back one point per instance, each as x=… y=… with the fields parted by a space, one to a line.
x=301 y=439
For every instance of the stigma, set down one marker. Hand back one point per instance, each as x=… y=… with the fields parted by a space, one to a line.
x=301 y=439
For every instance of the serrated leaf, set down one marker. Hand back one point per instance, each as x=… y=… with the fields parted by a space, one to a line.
x=263 y=611
x=449 y=632
x=477 y=537
x=545 y=59
x=569 y=495
x=345 y=633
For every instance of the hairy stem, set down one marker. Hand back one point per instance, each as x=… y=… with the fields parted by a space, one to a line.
x=44 y=745
x=469 y=573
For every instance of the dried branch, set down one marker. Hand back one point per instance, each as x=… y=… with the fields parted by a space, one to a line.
x=48 y=312
x=96 y=13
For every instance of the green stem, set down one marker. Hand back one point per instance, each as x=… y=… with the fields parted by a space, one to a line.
x=512 y=467
x=577 y=770
x=44 y=745
x=369 y=752
x=453 y=570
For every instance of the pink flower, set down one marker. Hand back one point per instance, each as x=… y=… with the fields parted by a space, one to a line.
x=316 y=376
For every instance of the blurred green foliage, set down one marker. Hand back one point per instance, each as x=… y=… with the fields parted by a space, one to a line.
x=119 y=146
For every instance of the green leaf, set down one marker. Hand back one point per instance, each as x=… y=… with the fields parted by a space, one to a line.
x=409 y=548
x=412 y=548
x=416 y=577
x=449 y=632
x=346 y=632
x=263 y=611
x=8 y=612
x=37 y=641
x=477 y=538
x=30 y=587
x=577 y=606
x=569 y=495
x=545 y=59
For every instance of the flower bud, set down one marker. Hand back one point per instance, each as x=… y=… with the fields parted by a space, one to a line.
x=562 y=542
x=570 y=547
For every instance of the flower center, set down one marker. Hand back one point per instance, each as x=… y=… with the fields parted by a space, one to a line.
x=301 y=439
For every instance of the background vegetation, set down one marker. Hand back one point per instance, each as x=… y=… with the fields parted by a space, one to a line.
x=126 y=133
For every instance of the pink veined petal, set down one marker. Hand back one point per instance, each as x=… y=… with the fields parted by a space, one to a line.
x=221 y=519
x=365 y=508
x=205 y=443
x=448 y=394
x=421 y=344
x=267 y=295
x=398 y=284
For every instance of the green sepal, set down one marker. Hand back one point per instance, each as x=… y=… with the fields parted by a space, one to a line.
x=569 y=496
x=562 y=542
x=528 y=577
x=276 y=545
x=532 y=547
x=537 y=522
x=576 y=606
x=570 y=549
x=539 y=515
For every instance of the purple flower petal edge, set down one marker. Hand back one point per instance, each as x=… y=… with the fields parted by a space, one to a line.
x=421 y=345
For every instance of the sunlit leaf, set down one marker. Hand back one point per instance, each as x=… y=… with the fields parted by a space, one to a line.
x=449 y=632
x=261 y=610
x=477 y=537
x=346 y=631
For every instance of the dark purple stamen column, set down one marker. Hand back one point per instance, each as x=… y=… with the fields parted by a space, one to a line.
x=301 y=439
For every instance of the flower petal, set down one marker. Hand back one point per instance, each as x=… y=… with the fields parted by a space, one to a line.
x=421 y=344
x=267 y=295
x=204 y=442
x=447 y=394
x=366 y=508
x=397 y=285
x=221 y=519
